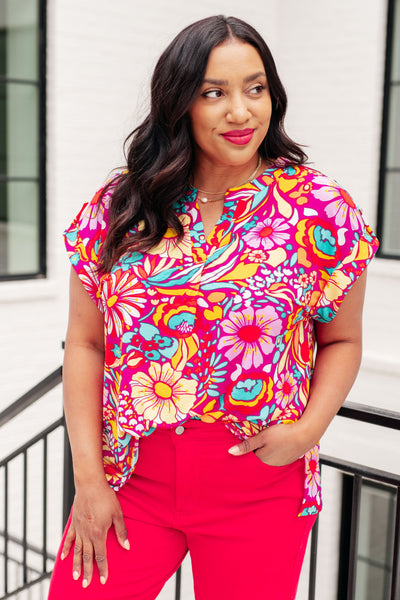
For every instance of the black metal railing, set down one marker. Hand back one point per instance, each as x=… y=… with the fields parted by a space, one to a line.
x=33 y=574
x=34 y=394
x=25 y=564
x=360 y=474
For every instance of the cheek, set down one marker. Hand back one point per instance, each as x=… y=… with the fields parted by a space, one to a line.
x=202 y=122
x=264 y=118
x=196 y=120
x=205 y=115
x=267 y=110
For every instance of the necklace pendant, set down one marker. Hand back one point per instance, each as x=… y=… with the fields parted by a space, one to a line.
x=204 y=200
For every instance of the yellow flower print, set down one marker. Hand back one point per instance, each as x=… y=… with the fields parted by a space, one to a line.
x=162 y=395
x=171 y=246
x=123 y=298
x=334 y=287
x=290 y=179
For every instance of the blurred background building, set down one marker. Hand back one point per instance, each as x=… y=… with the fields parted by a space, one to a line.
x=74 y=81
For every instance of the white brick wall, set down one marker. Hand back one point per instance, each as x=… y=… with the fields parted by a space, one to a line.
x=100 y=57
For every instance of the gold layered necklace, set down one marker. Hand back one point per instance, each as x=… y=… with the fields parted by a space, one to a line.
x=206 y=199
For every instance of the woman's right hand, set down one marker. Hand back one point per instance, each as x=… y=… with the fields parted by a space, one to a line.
x=96 y=508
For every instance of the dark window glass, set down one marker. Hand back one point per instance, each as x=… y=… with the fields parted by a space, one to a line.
x=389 y=199
x=22 y=138
x=374 y=551
x=375 y=543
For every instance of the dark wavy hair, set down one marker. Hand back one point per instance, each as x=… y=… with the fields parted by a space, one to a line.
x=160 y=151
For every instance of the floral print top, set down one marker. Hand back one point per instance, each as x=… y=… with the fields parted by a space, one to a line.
x=221 y=328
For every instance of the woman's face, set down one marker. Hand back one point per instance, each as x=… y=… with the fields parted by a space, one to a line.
x=231 y=115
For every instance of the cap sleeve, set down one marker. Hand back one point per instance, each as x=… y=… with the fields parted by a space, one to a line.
x=353 y=246
x=83 y=241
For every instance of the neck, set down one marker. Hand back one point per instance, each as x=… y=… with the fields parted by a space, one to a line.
x=218 y=178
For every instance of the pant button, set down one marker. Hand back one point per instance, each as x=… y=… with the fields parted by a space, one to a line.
x=179 y=430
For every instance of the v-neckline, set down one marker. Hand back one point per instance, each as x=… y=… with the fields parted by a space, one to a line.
x=199 y=240
x=200 y=219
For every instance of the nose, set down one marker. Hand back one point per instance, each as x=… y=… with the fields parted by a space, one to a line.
x=238 y=111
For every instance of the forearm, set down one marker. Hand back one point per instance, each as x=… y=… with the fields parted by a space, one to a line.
x=83 y=382
x=335 y=371
x=96 y=506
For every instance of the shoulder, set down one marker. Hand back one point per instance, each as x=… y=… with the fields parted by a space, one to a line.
x=308 y=190
x=93 y=215
x=312 y=179
x=322 y=185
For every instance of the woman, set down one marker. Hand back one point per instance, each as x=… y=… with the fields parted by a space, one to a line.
x=209 y=268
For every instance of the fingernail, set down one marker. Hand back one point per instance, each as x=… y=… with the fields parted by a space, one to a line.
x=62 y=555
x=85 y=583
x=102 y=579
x=234 y=450
x=126 y=545
x=75 y=575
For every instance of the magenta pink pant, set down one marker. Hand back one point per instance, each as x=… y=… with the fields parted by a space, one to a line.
x=235 y=515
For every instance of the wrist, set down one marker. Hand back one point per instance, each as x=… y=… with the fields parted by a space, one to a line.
x=89 y=476
x=94 y=483
x=309 y=433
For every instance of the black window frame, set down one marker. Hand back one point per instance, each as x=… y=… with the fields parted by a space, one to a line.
x=385 y=130
x=41 y=178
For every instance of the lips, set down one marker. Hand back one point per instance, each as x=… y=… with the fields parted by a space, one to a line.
x=240 y=137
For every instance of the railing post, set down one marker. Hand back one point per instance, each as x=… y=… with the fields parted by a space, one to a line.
x=178 y=577
x=44 y=514
x=25 y=518
x=355 y=523
x=68 y=479
x=6 y=529
x=395 y=589
x=313 y=561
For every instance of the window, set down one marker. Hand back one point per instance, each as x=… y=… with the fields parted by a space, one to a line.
x=22 y=138
x=375 y=540
x=389 y=204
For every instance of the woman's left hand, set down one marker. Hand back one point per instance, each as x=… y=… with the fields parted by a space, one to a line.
x=277 y=445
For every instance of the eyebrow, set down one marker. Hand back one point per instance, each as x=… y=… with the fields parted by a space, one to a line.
x=225 y=81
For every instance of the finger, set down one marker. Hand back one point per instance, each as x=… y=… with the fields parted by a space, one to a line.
x=87 y=561
x=100 y=556
x=245 y=447
x=69 y=540
x=121 y=531
x=77 y=562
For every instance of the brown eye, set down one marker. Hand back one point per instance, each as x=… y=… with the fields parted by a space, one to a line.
x=257 y=89
x=212 y=94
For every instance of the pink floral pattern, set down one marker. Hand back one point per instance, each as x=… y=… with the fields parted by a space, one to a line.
x=287 y=388
x=268 y=233
x=251 y=334
x=222 y=328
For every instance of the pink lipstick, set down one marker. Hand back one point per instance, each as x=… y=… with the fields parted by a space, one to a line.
x=240 y=137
